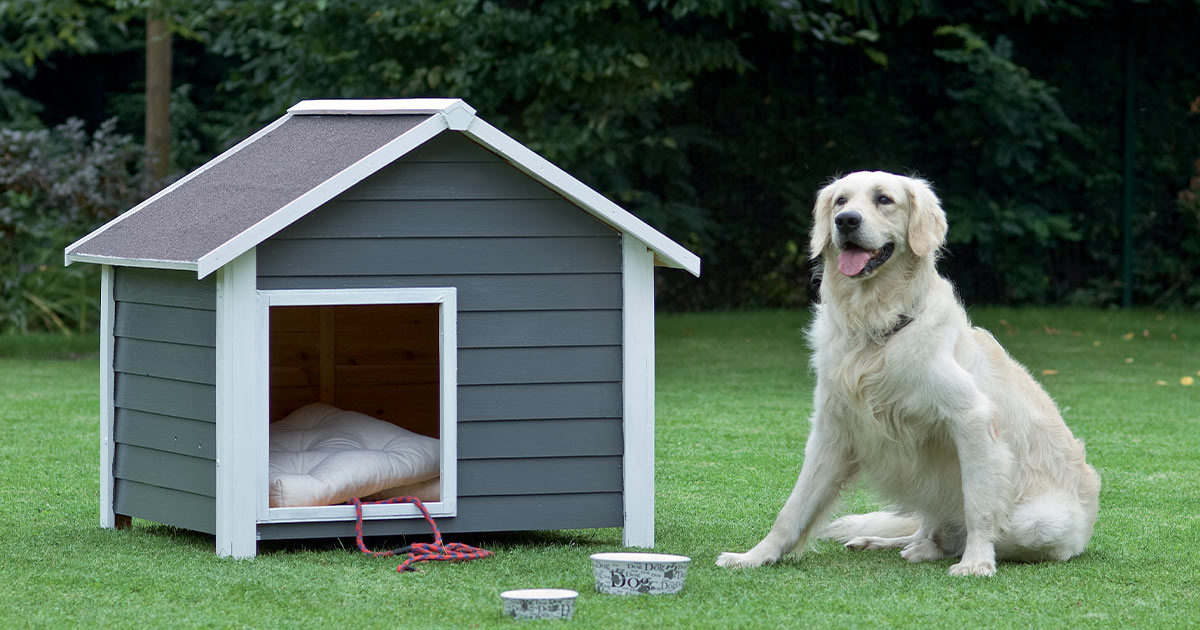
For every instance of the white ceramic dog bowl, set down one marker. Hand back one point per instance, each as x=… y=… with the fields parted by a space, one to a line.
x=539 y=603
x=623 y=573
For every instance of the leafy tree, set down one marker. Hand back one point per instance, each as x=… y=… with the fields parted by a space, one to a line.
x=31 y=32
x=716 y=120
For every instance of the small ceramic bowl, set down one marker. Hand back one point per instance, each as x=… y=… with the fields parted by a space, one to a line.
x=539 y=603
x=637 y=573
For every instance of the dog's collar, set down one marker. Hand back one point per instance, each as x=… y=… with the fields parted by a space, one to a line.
x=903 y=321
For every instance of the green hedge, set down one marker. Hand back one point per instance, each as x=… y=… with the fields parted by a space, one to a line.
x=56 y=185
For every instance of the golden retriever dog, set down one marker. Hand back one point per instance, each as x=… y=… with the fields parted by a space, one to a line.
x=970 y=452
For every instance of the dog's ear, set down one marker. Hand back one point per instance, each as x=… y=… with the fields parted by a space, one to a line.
x=820 y=235
x=927 y=223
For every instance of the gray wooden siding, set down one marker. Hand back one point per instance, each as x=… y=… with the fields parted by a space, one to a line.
x=502 y=255
x=164 y=363
x=542 y=401
x=573 y=437
x=482 y=292
x=539 y=327
x=165 y=505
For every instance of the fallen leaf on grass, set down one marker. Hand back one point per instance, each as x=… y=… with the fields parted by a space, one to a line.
x=1127 y=336
x=1187 y=380
x=1160 y=382
x=1129 y=359
x=1049 y=372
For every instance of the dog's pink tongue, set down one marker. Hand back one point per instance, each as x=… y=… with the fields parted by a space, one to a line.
x=852 y=261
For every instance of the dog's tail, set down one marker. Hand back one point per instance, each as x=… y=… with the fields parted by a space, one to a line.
x=880 y=524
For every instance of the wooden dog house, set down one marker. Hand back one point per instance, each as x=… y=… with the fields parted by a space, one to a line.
x=399 y=258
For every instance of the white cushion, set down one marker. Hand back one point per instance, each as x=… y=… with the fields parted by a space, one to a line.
x=321 y=455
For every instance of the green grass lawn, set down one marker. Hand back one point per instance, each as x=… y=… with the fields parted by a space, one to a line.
x=733 y=402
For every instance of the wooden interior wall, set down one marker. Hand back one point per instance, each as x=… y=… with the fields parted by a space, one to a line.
x=378 y=359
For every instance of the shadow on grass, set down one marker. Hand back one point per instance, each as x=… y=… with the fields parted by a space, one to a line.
x=171 y=535
x=157 y=534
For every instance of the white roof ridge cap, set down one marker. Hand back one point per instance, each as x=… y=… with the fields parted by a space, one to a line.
x=382 y=106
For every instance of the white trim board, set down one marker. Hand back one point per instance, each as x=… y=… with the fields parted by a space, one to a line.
x=240 y=437
x=378 y=106
x=145 y=263
x=330 y=297
x=454 y=111
x=637 y=274
x=107 y=402
x=446 y=298
x=326 y=513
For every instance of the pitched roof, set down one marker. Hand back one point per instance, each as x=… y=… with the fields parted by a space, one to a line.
x=310 y=155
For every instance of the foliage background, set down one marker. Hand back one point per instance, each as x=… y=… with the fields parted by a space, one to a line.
x=714 y=120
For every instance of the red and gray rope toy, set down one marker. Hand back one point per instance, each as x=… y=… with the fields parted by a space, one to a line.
x=417 y=552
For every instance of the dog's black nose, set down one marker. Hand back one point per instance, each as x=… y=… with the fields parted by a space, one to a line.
x=847 y=221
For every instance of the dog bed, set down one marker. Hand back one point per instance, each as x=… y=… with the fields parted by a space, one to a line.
x=322 y=455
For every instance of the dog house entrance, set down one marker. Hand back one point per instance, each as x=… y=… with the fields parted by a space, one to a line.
x=387 y=354
x=376 y=359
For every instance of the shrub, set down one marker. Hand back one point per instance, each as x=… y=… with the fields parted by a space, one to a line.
x=55 y=186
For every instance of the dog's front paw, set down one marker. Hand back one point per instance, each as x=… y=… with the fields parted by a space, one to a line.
x=748 y=560
x=983 y=568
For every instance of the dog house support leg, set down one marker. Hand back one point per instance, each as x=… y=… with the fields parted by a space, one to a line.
x=241 y=417
x=638 y=323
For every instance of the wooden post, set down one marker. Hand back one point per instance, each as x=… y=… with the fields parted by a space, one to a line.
x=108 y=309
x=158 y=96
x=637 y=273
x=241 y=431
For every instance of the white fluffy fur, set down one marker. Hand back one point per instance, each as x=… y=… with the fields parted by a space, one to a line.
x=952 y=431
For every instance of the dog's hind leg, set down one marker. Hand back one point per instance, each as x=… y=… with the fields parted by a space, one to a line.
x=882 y=530
x=924 y=545
x=872 y=525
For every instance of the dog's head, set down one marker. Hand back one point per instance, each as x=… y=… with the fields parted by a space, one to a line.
x=864 y=219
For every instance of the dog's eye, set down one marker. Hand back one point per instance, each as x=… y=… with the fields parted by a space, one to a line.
x=883 y=200
x=840 y=201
